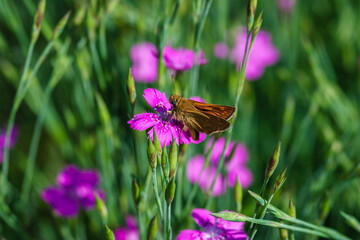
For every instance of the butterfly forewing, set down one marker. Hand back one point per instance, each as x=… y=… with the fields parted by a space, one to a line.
x=221 y=111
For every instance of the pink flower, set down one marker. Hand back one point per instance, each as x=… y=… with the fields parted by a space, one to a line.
x=221 y=50
x=13 y=138
x=166 y=129
x=215 y=229
x=75 y=188
x=181 y=59
x=145 y=62
x=130 y=232
x=235 y=164
x=286 y=5
x=263 y=53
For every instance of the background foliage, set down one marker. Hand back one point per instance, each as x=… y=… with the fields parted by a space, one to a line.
x=309 y=99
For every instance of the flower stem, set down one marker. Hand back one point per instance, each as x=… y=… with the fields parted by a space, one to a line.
x=156 y=192
x=169 y=229
x=199 y=25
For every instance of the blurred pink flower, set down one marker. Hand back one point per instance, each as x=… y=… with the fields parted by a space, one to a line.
x=130 y=232
x=214 y=228
x=75 y=188
x=166 y=129
x=221 y=50
x=181 y=59
x=13 y=138
x=263 y=53
x=235 y=164
x=145 y=62
x=286 y=5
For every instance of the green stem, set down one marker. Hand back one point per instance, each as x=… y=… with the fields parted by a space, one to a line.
x=5 y=168
x=254 y=230
x=169 y=229
x=156 y=192
x=194 y=78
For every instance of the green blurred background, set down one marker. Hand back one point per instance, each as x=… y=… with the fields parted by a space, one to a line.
x=309 y=100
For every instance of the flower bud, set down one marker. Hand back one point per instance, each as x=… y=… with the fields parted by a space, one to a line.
x=60 y=26
x=157 y=145
x=257 y=26
x=238 y=195
x=164 y=163
x=170 y=191
x=109 y=235
x=292 y=209
x=283 y=232
x=251 y=14
x=135 y=192
x=280 y=181
x=131 y=90
x=151 y=154
x=173 y=160
x=273 y=162
x=101 y=207
x=37 y=20
x=152 y=229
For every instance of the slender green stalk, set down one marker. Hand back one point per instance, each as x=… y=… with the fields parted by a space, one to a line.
x=169 y=229
x=5 y=167
x=29 y=172
x=199 y=25
x=156 y=193
x=254 y=230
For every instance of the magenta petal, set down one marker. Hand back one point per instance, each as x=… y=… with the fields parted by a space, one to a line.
x=13 y=137
x=157 y=100
x=192 y=235
x=221 y=50
x=164 y=133
x=68 y=177
x=144 y=121
x=90 y=177
x=178 y=59
x=240 y=156
x=62 y=204
x=126 y=234
x=194 y=168
x=131 y=222
x=145 y=62
x=85 y=194
x=217 y=150
x=203 y=218
x=244 y=175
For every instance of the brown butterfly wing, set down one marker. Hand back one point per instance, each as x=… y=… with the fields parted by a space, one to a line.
x=202 y=122
x=221 y=111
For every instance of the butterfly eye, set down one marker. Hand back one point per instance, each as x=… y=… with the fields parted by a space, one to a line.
x=172 y=102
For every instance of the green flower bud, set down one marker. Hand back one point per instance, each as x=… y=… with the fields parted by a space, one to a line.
x=292 y=209
x=238 y=195
x=135 y=192
x=173 y=160
x=164 y=163
x=284 y=235
x=280 y=181
x=157 y=145
x=60 y=26
x=109 y=235
x=251 y=9
x=273 y=162
x=151 y=154
x=170 y=191
x=131 y=90
x=257 y=26
x=37 y=20
x=152 y=229
x=101 y=207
